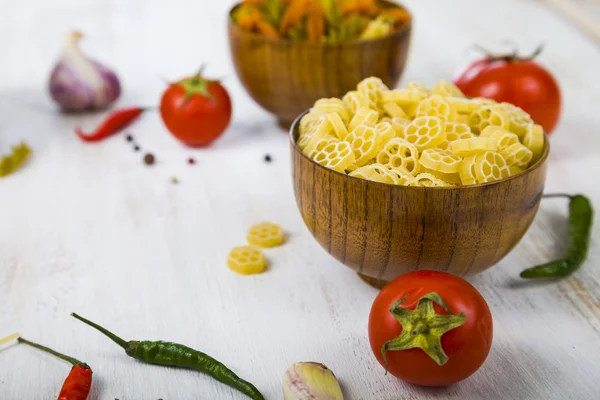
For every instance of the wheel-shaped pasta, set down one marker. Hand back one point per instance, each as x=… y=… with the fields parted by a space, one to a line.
x=403 y=177
x=394 y=110
x=402 y=97
x=246 y=260
x=363 y=116
x=399 y=153
x=534 y=140
x=466 y=170
x=519 y=119
x=435 y=106
x=265 y=234
x=487 y=115
x=317 y=143
x=376 y=173
x=517 y=155
x=365 y=142
x=337 y=125
x=336 y=156
x=467 y=147
x=440 y=160
x=417 y=87
x=428 y=180
x=386 y=132
x=310 y=121
x=372 y=88
x=425 y=132
x=447 y=89
x=355 y=100
x=332 y=105
x=453 y=179
x=490 y=166
x=503 y=137
x=399 y=125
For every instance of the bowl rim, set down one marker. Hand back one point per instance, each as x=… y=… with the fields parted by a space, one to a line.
x=397 y=32
x=538 y=164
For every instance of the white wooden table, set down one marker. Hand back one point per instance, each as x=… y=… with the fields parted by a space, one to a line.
x=91 y=229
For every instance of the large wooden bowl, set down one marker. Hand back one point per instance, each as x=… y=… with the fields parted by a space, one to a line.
x=382 y=231
x=287 y=77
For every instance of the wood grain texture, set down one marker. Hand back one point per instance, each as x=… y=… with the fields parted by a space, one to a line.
x=383 y=231
x=287 y=77
x=91 y=229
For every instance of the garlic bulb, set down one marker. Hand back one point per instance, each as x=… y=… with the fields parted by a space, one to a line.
x=78 y=83
x=310 y=381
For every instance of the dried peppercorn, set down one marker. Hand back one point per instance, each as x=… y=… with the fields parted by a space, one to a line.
x=149 y=159
x=268 y=158
x=177 y=355
x=581 y=216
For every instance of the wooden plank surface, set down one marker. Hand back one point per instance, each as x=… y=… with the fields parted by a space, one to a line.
x=93 y=230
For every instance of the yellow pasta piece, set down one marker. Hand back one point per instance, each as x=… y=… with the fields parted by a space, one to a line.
x=428 y=180
x=514 y=170
x=453 y=178
x=425 y=132
x=489 y=167
x=534 y=140
x=265 y=234
x=337 y=125
x=385 y=131
x=375 y=172
x=399 y=153
x=310 y=121
x=466 y=171
x=317 y=143
x=461 y=119
x=435 y=106
x=517 y=155
x=505 y=139
x=399 y=125
x=519 y=119
x=488 y=115
x=417 y=87
x=455 y=131
x=355 y=100
x=402 y=97
x=394 y=110
x=467 y=147
x=403 y=177
x=462 y=105
x=372 y=88
x=246 y=260
x=336 y=156
x=332 y=105
x=365 y=142
x=446 y=89
x=440 y=160
x=364 y=116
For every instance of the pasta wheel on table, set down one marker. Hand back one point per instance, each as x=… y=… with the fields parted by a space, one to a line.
x=332 y=105
x=265 y=234
x=355 y=100
x=425 y=132
x=435 y=106
x=336 y=156
x=428 y=180
x=372 y=88
x=467 y=147
x=517 y=155
x=363 y=116
x=365 y=142
x=399 y=153
x=534 y=140
x=487 y=115
x=490 y=166
x=440 y=160
x=246 y=260
x=446 y=89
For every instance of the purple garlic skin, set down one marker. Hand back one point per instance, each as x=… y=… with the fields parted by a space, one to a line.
x=78 y=83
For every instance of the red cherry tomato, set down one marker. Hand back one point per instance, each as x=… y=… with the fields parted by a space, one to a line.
x=515 y=80
x=196 y=110
x=464 y=335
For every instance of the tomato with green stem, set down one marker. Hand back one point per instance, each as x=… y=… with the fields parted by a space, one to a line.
x=196 y=110
x=430 y=328
x=517 y=80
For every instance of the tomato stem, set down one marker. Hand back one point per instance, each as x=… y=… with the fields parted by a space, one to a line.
x=511 y=57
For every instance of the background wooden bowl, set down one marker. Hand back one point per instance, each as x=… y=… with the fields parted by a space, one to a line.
x=286 y=77
x=382 y=231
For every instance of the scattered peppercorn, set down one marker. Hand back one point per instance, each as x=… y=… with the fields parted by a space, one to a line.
x=268 y=158
x=149 y=159
x=136 y=148
x=191 y=161
x=129 y=138
x=174 y=180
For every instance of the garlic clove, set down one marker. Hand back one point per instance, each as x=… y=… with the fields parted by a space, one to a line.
x=310 y=381
x=79 y=83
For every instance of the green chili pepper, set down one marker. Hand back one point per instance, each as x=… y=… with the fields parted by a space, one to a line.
x=177 y=355
x=581 y=215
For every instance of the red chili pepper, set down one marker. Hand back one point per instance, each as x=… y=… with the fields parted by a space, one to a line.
x=115 y=122
x=79 y=382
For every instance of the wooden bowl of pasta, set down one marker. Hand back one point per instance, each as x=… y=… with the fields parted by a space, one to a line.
x=286 y=77
x=383 y=230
